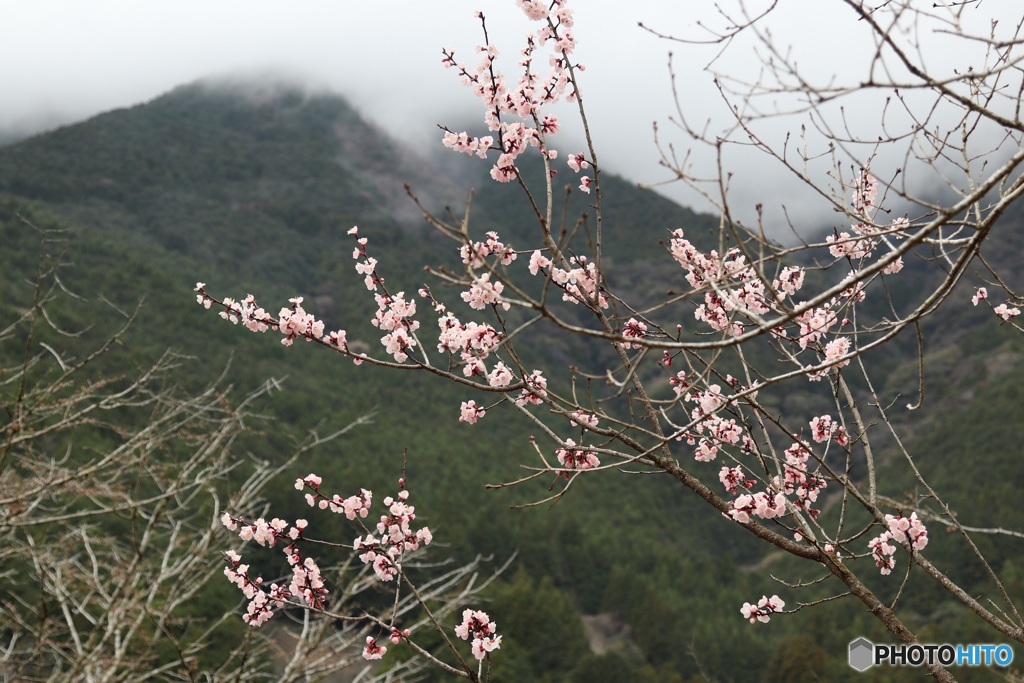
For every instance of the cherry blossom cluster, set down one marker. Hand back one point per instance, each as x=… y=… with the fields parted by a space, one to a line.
x=864 y=237
x=1002 y=310
x=307 y=587
x=474 y=342
x=356 y=505
x=679 y=382
x=796 y=480
x=633 y=329
x=395 y=537
x=731 y=286
x=394 y=315
x=471 y=342
x=823 y=429
x=901 y=530
x=734 y=479
x=467 y=144
x=908 y=529
x=307 y=581
x=718 y=432
x=815 y=323
x=789 y=282
x=763 y=610
x=292 y=322
x=576 y=457
x=862 y=242
x=857 y=247
x=307 y=584
x=711 y=431
x=526 y=100
x=579 y=283
x=474 y=254
x=708 y=401
x=478 y=627
x=259 y=609
x=470 y=412
x=736 y=295
x=579 y=163
x=763 y=504
x=263 y=532
x=483 y=293
x=535 y=390
x=882 y=552
x=865 y=191
x=584 y=419
x=374 y=650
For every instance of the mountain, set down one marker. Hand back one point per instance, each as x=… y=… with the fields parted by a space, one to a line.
x=250 y=187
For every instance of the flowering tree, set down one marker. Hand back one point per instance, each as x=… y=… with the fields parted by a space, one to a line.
x=112 y=491
x=685 y=386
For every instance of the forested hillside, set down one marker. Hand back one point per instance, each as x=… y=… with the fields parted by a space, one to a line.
x=254 y=189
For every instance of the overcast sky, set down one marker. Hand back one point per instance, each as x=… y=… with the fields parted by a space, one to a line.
x=65 y=60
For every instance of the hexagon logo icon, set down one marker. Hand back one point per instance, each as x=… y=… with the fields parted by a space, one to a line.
x=862 y=653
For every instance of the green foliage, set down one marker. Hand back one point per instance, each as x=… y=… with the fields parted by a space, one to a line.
x=540 y=625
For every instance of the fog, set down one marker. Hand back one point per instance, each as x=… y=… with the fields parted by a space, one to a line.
x=66 y=60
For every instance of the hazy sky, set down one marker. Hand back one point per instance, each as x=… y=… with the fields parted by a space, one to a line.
x=64 y=60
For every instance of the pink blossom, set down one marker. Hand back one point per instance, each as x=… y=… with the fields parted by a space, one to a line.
x=474 y=253
x=982 y=293
x=577 y=162
x=471 y=412
x=585 y=420
x=679 y=383
x=814 y=323
x=899 y=225
x=733 y=479
x=538 y=261
x=504 y=169
x=836 y=349
x=823 y=429
x=536 y=10
x=633 y=329
x=882 y=552
x=500 y=376
x=845 y=245
x=894 y=267
x=1004 y=312
x=373 y=650
x=479 y=628
x=865 y=190
x=790 y=280
x=763 y=610
x=396 y=635
x=573 y=457
x=910 y=528
x=535 y=391
x=483 y=293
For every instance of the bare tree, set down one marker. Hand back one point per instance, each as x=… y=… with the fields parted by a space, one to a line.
x=691 y=375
